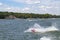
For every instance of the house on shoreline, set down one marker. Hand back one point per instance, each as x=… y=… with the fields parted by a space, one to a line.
x=10 y=17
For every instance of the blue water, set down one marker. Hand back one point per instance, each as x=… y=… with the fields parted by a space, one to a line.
x=13 y=29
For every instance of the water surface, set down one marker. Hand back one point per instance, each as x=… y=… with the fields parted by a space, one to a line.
x=13 y=29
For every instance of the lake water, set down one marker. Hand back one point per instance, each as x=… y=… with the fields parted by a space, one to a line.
x=13 y=29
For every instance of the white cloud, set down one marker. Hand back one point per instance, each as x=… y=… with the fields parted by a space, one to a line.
x=32 y=6
x=26 y=9
x=1 y=4
x=32 y=1
x=45 y=6
x=49 y=9
x=28 y=1
x=13 y=9
x=18 y=0
x=37 y=2
x=42 y=6
x=5 y=7
x=8 y=8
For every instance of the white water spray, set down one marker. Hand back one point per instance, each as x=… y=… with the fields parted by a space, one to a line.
x=45 y=38
x=38 y=28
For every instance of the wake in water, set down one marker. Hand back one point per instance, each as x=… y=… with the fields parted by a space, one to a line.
x=45 y=38
x=31 y=20
x=37 y=28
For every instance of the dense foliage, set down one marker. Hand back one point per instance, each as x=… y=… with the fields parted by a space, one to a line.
x=27 y=15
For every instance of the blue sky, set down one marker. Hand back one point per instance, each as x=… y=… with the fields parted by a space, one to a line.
x=31 y=6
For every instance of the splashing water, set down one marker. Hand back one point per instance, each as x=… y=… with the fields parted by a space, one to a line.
x=45 y=38
x=36 y=25
x=38 y=28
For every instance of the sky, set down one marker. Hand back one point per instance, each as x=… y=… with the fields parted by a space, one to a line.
x=31 y=6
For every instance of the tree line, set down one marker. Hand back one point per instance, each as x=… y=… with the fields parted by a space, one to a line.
x=27 y=15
